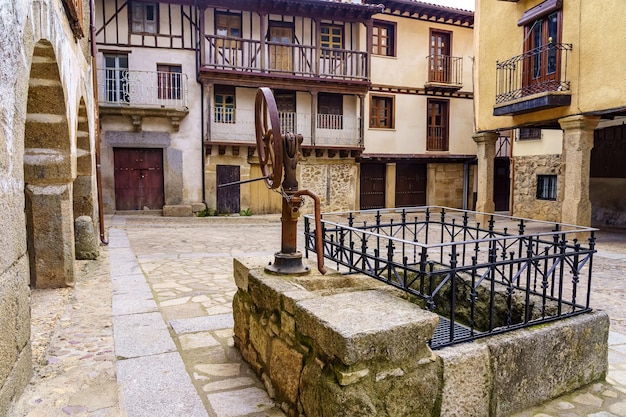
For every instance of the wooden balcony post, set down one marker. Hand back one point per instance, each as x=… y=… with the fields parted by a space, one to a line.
x=369 y=26
x=313 y=116
x=263 y=47
x=202 y=38
x=318 y=48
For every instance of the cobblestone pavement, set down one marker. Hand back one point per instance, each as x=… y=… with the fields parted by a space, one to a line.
x=147 y=329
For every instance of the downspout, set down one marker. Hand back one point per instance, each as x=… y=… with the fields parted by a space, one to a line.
x=94 y=77
x=199 y=39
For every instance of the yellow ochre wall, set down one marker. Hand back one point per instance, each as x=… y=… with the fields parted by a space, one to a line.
x=595 y=29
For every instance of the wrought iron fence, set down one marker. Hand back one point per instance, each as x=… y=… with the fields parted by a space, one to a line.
x=482 y=279
x=543 y=69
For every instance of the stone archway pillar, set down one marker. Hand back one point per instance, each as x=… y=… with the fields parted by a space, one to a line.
x=486 y=152
x=51 y=241
x=577 y=145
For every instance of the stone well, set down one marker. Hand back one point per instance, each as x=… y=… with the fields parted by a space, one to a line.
x=348 y=345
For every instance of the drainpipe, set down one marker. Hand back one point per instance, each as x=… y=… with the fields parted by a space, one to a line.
x=94 y=77
x=199 y=38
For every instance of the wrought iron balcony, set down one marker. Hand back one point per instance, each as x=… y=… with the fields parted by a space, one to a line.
x=142 y=88
x=535 y=80
x=237 y=126
x=255 y=57
x=444 y=73
x=138 y=94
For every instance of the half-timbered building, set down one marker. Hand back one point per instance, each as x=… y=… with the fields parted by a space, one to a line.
x=418 y=146
x=178 y=78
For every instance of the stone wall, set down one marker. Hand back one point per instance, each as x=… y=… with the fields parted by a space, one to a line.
x=445 y=185
x=38 y=54
x=346 y=346
x=333 y=181
x=525 y=202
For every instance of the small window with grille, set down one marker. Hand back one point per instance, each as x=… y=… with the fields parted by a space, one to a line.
x=529 y=133
x=546 y=187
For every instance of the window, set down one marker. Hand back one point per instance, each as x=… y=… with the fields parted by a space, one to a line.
x=546 y=187
x=542 y=36
x=144 y=17
x=169 y=81
x=116 y=78
x=228 y=25
x=330 y=111
x=383 y=38
x=286 y=106
x=529 y=133
x=332 y=38
x=437 y=125
x=224 y=104
x=381 y=112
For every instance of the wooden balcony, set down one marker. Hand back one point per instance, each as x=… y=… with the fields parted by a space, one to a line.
x=139 y=94
x=535 y=80
x=445 y=73
x=227 y=57
x=236 y=126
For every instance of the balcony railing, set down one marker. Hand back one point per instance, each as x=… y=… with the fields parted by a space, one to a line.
x=541 y=70
x=142 y=88
x=237 y=125
x=445 y=70
x=251 y=56
x=437 y=139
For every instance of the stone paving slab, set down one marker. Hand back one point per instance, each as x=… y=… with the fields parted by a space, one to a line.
x=141 y=335
x=158 y=386
x=197 y=324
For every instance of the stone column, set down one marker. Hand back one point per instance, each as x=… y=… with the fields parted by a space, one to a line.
x=577 y=145
x=51 y=235
x=390 y=186
x=486 y=152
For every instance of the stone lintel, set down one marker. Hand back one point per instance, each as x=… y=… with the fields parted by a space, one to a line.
x=361 y=326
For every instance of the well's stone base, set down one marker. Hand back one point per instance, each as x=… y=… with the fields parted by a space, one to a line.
x=339 y=346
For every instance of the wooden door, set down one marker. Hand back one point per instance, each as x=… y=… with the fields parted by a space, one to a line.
x=228 y=197
x=281 y=58
x=501 y=184
x=410 y=185
x=373 y=180
x=439 y=56
x=138 y=178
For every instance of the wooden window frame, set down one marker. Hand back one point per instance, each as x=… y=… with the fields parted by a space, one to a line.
x=375 y=118
x=547 y=187
x=116 y=79
x=221 y=112
x=391 y=36
x=133 y=19
x=169 y=81
x=431 y=128
x=330 y=43
x=231 y=43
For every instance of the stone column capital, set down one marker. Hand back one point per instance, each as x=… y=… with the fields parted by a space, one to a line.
x=485 y=137
x=579 y=122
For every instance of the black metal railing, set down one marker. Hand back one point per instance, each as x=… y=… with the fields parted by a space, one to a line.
x=481 y=279
x=543 y=69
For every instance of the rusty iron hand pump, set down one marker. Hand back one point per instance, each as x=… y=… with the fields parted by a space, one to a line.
x=278 y=155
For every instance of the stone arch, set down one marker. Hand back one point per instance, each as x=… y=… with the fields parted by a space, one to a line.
x=84 y=185
x=48 y=174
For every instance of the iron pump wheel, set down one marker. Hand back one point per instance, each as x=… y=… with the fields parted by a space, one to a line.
x=279 y=154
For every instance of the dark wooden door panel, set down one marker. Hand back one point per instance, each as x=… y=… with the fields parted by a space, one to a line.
x=410 y=185
x=138 y=178
x=501 y=184
x=228 y=197
x=373 y=179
